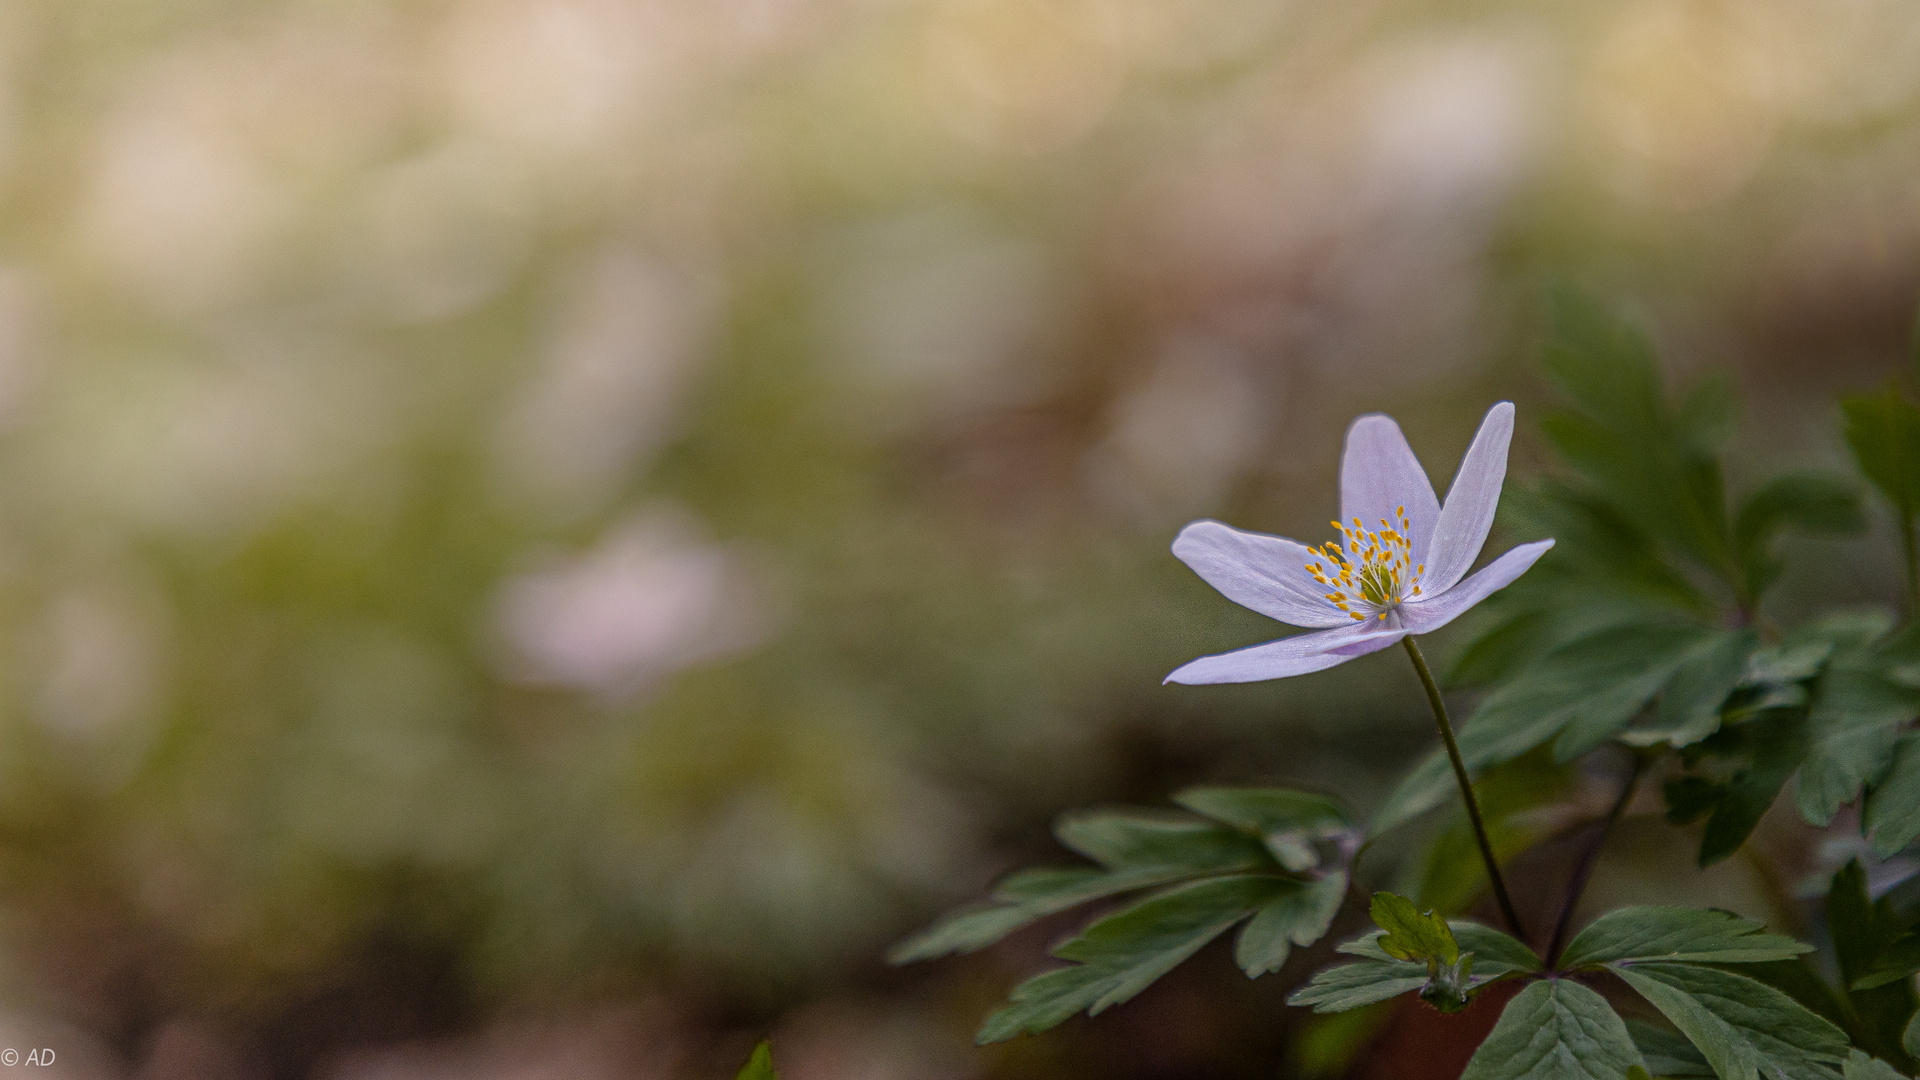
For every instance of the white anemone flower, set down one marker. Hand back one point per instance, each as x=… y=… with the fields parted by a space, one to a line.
x=1396 y=570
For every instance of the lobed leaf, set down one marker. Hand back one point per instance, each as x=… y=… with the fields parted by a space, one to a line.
x=1122 y=954
x=1555 y=1029
x=1774 y=743
x=1667 y=1053
x=1298 y=916
x=1349 y=986
x=1676 y=934
x=1022 y=899
x=1861 y=1067
x=1852 y=726
x=1412 y=934
x=1141 y=840
x=1740 y=1025
x=1892 y=815
x=1287 y=822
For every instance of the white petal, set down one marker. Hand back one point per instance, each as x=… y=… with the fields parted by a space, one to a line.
x=1427 y=615
x=1462 y=528
x=1379 y=475
x=1296 y=655
x=1254 y=570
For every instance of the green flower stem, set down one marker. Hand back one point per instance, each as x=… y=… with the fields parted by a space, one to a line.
x=1466 y=788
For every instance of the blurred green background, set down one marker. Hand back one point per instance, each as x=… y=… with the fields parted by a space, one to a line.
x=538 y=536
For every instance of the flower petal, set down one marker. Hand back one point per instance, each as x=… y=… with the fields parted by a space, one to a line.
x=1461 y=530
x=1424 y=616
x=1296 y=655
x=1379 y=475
x=1254 y=570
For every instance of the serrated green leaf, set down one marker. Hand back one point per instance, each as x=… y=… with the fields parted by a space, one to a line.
x=1656 y=464
x=760 y=1065
x=1496 y=954
x=1676 y=934
x=1861 y=1067
x=1299 y=916
x=1788 y=662
x=1141 y=840
x=1773 y=743
x=1690 y=703
x=1555 y=1029
x=1022 y=899
x=1576 y=697
x=1741 y=1026
x=1412 y=934
x=1852 y=725
x=1863 y=933
x=1349 y=986
x=1122 y=954
x=1288 y=822
x=1667 y=1053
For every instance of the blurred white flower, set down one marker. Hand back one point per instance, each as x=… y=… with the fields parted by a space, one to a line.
x=650 y=599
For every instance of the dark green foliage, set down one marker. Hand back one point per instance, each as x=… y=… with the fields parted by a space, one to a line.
x=1122 y=954
x=1253 y=855
x=1865 y=935
x=1667 y=1053
x=1740 y=1025
x=1555 y=1028
x=1883 y=431
x=1446 y=961
x=1634 y=934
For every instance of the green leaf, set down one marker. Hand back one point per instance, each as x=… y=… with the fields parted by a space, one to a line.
x=1412 y=934
x=1349 y=986
x=1852 y=725
x=1864 y=933
x=1287 y=822
x=1910 y=1039
x=1773 y=744
x=1690 y=934
x=1689 y=707
x=1883 y=431
x=760 y=1065
x=1810 y=504
x=1655 y=465
x=1131 y=839
x=1741 y=1026
x=1861 y=1067
x=1555 y=1029
x=1893 y=803
x=1676 y=934
x=1494 y=953
x=1122 y=954
x=1668 y=1053
x=1298 y=916
x=1582 y=693
x=1023 y=898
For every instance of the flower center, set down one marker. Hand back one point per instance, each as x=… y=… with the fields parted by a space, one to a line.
x=1372 y=569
